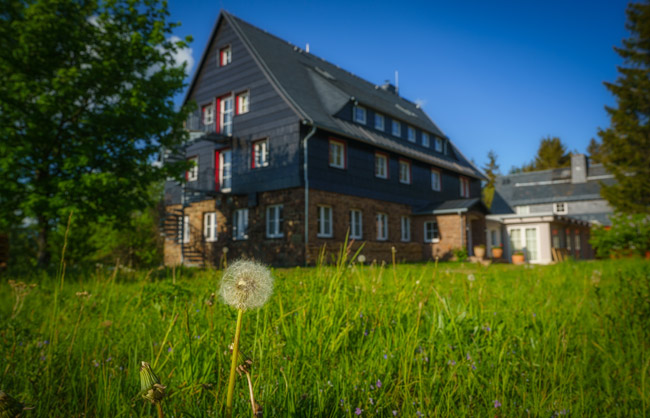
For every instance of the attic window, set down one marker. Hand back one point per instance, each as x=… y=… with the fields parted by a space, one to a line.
x=410 y=133
x=359 y=114
x=439 y=144
x=225 y=56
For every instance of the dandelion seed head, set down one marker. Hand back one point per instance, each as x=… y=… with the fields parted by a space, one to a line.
x=471 y=277
x=246 y=285
x=361 y=258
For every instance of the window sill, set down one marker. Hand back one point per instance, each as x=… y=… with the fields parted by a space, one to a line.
x=275 y=236
x=324 y=236
x=359 y=237
x=433 y=241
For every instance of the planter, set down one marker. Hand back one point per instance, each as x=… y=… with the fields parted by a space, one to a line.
x=518 y=259
x=479 y=251
x=497 y=252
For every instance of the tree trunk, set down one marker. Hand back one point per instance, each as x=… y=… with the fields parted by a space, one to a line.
x=43 y=255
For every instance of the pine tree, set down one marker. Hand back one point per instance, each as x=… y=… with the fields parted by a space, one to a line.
x=626 y=143
x=594 y=151
x=552 y=153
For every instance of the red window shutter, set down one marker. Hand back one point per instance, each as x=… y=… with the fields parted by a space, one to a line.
x=217 y=119
x=217 y=161
x=253 y=155
x=237 y=105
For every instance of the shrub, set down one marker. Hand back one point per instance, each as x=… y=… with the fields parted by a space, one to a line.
x=460 y=254
x=628 y=235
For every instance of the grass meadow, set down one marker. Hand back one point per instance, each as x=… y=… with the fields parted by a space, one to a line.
x=338 y=341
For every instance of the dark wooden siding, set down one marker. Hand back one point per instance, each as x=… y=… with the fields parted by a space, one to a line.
x=269 y=117
x=359 y=177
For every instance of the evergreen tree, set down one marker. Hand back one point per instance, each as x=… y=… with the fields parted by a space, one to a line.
x=594 y=151
x=552 y=153
x=626 y=143
x=86 y=91
x=491 y=170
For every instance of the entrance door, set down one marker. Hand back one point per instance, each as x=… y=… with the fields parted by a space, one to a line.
x=525 y=239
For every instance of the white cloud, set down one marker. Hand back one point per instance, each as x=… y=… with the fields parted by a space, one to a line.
x=183 y=55
x=420 y=102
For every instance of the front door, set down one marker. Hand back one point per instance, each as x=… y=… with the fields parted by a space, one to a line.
x=525 y=239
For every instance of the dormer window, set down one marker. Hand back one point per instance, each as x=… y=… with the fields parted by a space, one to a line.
x=208 y=114
x=359 y=114
x=560 y=208
x=225 y=56
x=410 y=131
x=396 y=129
x=438 y=144
x=425 y=139
x=379 y=122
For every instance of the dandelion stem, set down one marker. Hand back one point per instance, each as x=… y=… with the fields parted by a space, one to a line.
x=159 y=408
x=233 y=364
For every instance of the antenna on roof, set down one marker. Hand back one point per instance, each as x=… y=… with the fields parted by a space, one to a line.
x=307 y=48
x=396 y=82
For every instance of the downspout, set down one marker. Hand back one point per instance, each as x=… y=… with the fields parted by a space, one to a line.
x=306 y=178
x=462 y=230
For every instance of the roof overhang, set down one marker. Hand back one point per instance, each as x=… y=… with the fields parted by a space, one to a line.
x=545 y=217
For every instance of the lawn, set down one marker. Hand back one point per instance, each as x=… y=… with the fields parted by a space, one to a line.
x=412 y=340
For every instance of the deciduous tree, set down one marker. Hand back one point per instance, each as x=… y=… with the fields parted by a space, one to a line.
x=491 y=170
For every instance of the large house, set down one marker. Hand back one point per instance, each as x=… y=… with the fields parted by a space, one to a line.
x=541 y=212
x=293 y=154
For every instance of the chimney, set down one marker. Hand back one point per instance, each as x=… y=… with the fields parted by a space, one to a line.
x=387 y=86
x=578 y=168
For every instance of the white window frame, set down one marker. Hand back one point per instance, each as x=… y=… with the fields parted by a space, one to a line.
x=435 y=232
x=240 y=224
x=405 y=223
x=438 y=145
x=210 y=226
x=524 y=243
x=359 y=114
x=337 y=155
x=225 y=56
x=436 y=185
x=464 y=187
x=356 y=224
x=184 y=225
x=426 y=140
x=275 y=221
x=404 y=171
x=324 y=220
x=225 y=170
x=243 y=102
x=380 y=122
x=382 y=226
x=208 y=114
x=560 y=208
x=410 y=133
x=193 y=172
x=381 y=165
x=261 y=153
x=522 y=210
x=396 y=128
x=226 y=115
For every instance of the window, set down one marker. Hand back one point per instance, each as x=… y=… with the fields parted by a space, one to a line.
x=436 y=181
x=560 y=208
x=493 y=238
x=225 y=170
x=379 y=122
x=577 y=240
x=193 y=173
x=406 y=228
x=410 y=133
x=568 y=239
x=431 y=233
x=225 y=56
x=438 y=144
x=381 y=165
x=337 y=154
x=522 y=210
x=225 y=115
x=404 y=172
x=325 y=222
x=396 y=129
x=184 y=226
x=382 y=227
x=425 y=139
x=260 y=153
x=274 y=221
x=359 y=114
x=243 y=103
x=240 y=224
x=356 y=224
x=210 y=226
x=208 y=114
x=464 y=187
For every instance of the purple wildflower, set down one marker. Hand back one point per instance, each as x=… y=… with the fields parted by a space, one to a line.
x=497 y=404
x=378 y=383
x=169 y=349
x=372 y=402
x=365 y=333
x=358 y=411
x=418 y=413
x=95 y=363
x=385 y=356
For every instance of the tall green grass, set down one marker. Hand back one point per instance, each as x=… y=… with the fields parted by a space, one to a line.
x=422 y=340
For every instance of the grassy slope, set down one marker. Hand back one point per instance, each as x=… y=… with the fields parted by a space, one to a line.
x=540 y=341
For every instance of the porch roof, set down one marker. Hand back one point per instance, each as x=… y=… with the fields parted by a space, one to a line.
x=514 y=218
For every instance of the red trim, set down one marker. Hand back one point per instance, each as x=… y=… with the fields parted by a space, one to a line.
x=221 y=55
x=345 y=152
x=236 y=104
x=410 y=179
x=385 y=155
x=217 y=162
x=217 y=116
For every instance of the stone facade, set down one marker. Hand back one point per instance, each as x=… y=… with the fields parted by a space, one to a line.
x=290 y=249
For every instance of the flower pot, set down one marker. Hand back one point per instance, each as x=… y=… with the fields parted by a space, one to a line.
x=479 y=251
x=518 y=259
x=497 y=252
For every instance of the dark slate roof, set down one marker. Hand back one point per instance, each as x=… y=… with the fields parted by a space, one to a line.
x=317 y=90
x=452 y=206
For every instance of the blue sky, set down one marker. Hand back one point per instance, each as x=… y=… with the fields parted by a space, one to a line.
x=494 y=75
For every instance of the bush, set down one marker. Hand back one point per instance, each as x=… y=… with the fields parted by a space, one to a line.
x=460 y=254
x=628 y=235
